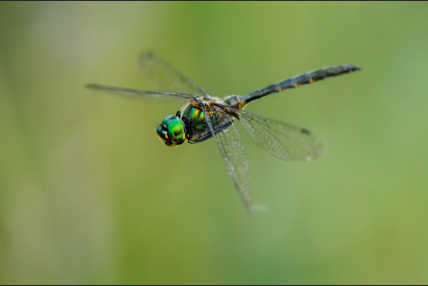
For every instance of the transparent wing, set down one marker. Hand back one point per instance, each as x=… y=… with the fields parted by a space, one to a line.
x=140 y=93
x=282 y=140
x=229 y=144
x=166 y=77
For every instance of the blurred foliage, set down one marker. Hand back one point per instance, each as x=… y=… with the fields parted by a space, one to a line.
x=88 y=194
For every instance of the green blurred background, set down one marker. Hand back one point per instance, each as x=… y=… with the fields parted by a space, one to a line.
x=88 y=194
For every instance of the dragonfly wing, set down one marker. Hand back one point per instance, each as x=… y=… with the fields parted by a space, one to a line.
x=140 y=93
x=165 y=76
x=282 y=140
x=229 y=144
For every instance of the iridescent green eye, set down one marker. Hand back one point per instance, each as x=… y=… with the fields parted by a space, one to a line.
x=171 y=130
x=176 y=129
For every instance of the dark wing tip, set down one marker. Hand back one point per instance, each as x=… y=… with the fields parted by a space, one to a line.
x=147 y=54
x=91 y=85
x=98 y=86
x=305 y=131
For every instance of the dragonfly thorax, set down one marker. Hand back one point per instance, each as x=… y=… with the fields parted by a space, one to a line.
x=171 y=130
x=195 y=122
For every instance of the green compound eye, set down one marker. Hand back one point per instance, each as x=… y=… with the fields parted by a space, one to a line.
x=171 y=130
x=176 y=129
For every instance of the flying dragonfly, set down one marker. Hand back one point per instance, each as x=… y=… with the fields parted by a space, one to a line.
x=205 y=116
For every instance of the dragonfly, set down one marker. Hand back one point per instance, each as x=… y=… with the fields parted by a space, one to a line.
x=204 y=116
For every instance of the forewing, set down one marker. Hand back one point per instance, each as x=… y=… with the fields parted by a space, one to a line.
x=140 y=93
x=232 y=150
x=166 y=77
x=282 y=140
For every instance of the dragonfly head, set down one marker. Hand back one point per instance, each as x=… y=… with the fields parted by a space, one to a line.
x=171 y=130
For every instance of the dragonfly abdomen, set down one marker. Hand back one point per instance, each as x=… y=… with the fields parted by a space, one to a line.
x=302 y=79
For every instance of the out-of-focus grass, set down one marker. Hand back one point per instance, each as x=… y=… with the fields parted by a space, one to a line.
x=89 y=195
